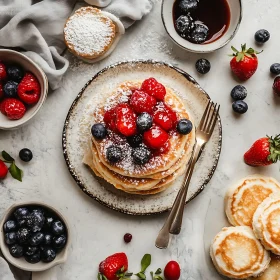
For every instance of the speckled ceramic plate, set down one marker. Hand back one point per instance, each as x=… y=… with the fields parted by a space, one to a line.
x=195 y=99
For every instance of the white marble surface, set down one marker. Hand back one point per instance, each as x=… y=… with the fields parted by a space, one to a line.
x=98 y=231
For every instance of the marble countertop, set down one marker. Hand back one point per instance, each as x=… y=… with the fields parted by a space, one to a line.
x=98 y=231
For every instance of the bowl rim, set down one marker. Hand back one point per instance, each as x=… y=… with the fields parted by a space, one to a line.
x=44 y=91
x=202 y=51
x=61 y=257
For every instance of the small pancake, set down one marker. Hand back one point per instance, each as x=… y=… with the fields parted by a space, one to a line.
x=244 y=197
x=266 y=224
x=238 y=254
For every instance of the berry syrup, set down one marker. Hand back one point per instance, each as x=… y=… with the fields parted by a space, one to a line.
x=215 y=14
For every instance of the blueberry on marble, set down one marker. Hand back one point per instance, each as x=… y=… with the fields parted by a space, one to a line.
x=10 y=225
x=275 y=68
x=16 y=251
x=240 y=106
x=262 y=36
x=141 y=155
x=239 y=92
x=57 y=228
x=25 y=155
x=99 y=131
x=11 y=238
x=203 y=66
x=184 y=126
x=114 y=153
x=144 y=122
x=15 y=72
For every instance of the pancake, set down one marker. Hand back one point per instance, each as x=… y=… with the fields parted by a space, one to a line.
x=88 y=33
x=238 y=254
x=244 y=197
x=179 y=144
x=266 y=224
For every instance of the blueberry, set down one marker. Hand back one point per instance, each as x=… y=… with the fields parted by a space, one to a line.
x=11 y=238
x=10 y=225
x=141 y=155
x=10 y=89
x=36 y=238
x=262 y=36
x=58 y=227
x=135 y=141
x=203 y=66
x=48 y=254
x=15 y=72
x=47 y=239
x=23 y=234
x=35 y=221
x=144 y=122
x=30 y=250
x=199 y=34
x=187 y=6
x=48 y=222
x=59 y=241
x=239 y=92
x=25 y=155
x=99 y=131
x=21 y=213
x=275 y=68
x=184 y=126
x=35 y=258
x=114 y=153
x=184 y=25
x=239 y=106
x=16 y=251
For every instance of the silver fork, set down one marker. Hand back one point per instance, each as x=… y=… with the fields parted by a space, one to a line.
x=204 y=131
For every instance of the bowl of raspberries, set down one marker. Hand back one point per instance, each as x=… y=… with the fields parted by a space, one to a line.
x=23 y=89
x=34 y=236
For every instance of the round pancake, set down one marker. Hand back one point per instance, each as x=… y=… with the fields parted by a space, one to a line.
x=244 y=197
x=157 y=164
x=238 y=254
x=266 y=224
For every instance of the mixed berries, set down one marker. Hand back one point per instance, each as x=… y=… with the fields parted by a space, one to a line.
x=145 y=121
x=18 y=90
x=34 y=233
x=238 y=94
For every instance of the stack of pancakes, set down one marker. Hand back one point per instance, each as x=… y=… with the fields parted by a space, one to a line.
x=161 y=170
x=252 y=205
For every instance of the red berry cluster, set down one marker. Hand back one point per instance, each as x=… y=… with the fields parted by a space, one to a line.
x=148 y=99
x=25 y=92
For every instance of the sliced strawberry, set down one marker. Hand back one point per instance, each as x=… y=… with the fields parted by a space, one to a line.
x=154 y=88
x=142 y=102
x=164 y=116
x=110 y=119
x=126 y=120
x=155 y=137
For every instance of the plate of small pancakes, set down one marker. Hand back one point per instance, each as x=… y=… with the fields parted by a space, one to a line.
x=247 y=245
x=125 y=185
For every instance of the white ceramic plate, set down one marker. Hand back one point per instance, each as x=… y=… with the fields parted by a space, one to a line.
x=195 y=99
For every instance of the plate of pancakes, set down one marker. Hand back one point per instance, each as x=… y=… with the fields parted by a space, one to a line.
x=245 y=243
x=126 y=186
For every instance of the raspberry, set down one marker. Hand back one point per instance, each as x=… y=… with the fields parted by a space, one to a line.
x=276 y=86
x=155 y=137
x=142 y=102
x=3 y=72
x=3 y=170
x=110 y=119
x=2 y=107
x=1 y=91
x=14 y=109
x=125 y=120
x=164 y=116
x=154 y=88
x=29 y=89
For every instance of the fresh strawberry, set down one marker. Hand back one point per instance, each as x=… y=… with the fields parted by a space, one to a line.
x=110 y=119
x=126 y=120
x=155 y=137
x=244 y=63
x=29 y=89
x=113 y=267
x=154 y=88
x=164 y=116
x=142 y=102
x=3 y=170
x=3 y=71
x=162 y=150
x=14 y=109
x=264 y=151
x=276 y=86
x=1 y=91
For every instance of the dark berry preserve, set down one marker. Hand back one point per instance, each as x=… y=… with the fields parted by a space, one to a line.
x=201 y=21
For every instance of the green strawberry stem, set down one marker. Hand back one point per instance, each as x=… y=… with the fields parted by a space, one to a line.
x=244 y=52
x=274 y=148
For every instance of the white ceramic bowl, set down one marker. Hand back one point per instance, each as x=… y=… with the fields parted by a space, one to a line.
x=10 y=56
x=21 y=262
x=235 y=20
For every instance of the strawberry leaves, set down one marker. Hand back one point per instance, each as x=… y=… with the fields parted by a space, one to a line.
x=244 y=52
x=274 y=148
x=14 y=170
x=145 y=263
x=157 y=275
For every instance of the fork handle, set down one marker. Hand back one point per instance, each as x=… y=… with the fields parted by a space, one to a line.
x=180 y=201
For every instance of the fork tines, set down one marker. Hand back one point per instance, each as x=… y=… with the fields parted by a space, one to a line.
x=209 y=117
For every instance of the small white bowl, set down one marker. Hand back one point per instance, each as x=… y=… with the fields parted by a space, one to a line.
x=21 y=262
x=235 y=20
x=10 y=56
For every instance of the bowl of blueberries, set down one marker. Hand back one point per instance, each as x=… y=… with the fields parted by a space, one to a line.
x=201 y=26
x=34 y=236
